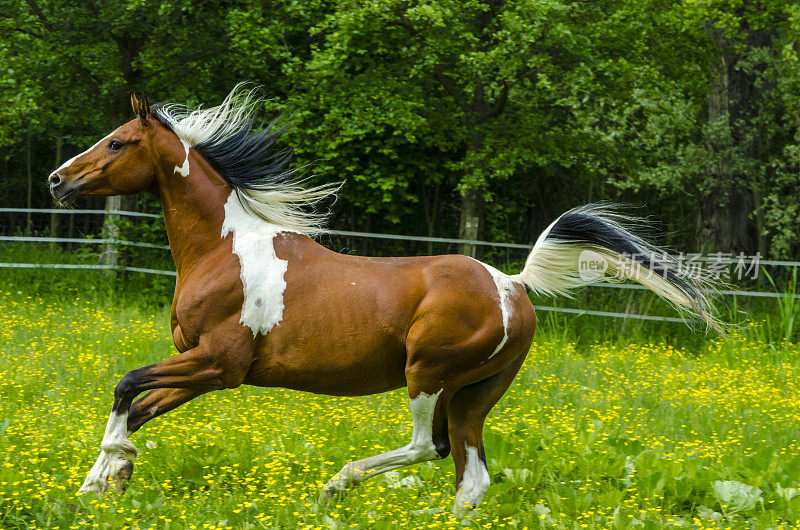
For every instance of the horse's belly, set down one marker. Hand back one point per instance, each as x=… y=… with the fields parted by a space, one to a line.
x=330 y=367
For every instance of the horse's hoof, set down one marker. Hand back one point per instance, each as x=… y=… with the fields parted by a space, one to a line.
x=462 y=507
x=122 y=476
x=95 y=486
x=89 y=489
x=329 y=493
x=326 y=495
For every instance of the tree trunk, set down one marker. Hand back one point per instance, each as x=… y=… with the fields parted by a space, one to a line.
x=128 y=203
x=29 y=170
x=713 y=202
x=70 y=228
x=430 y=203
x=761 y=241
x=727 y=201
x=55 y=218
x=4 y=174
x=351 y=241
x=472 y=206
x=365 y=241
x=481 y=112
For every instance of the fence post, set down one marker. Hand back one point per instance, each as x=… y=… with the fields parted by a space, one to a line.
x=110 y=255
x=469 y=232
x=55 y=219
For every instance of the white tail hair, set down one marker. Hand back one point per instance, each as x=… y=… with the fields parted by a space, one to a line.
x=598 y=232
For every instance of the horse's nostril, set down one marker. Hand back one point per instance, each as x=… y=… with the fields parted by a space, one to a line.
x=55 y=180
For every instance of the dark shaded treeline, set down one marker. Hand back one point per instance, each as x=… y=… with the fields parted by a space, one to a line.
x=479 y=119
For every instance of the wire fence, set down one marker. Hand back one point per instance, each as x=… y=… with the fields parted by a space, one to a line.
x=721 y=259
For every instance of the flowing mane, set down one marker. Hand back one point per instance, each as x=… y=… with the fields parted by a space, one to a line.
x=245 y=155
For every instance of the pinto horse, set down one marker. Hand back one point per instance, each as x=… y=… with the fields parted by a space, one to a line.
x=259 y=302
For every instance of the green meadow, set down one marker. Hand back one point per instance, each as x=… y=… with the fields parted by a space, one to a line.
x=632 y=432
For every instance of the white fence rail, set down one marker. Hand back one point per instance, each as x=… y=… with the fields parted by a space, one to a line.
x=344 y=233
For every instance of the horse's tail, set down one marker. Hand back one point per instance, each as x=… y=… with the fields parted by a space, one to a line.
x=595 y=243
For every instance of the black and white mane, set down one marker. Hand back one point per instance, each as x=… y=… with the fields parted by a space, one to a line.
x=245 y=156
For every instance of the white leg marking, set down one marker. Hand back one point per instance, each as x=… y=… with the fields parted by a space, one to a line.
x=97 y=479
x=184 y=169
x=474 y=483
x=504 y=285
x=420 y=449
x=118 y=452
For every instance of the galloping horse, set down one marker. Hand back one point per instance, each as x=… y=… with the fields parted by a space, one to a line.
x=259 y=302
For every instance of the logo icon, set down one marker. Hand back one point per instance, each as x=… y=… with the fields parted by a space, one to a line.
x=592 y=266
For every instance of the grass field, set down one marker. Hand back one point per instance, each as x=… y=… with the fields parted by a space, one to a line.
x=590 y=435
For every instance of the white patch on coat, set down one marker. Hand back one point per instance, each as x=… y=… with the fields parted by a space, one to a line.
x=504 y=285
x=69 y=162
x=474 y=483
x=420 y=449
x=422 y=409
x=262 y=270
x=184 y=169
x=116 y=430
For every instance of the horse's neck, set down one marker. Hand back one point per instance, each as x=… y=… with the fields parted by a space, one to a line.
x=202 y=213
x=193 y=211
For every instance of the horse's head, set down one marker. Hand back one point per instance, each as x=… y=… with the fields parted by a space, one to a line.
x=119 y=164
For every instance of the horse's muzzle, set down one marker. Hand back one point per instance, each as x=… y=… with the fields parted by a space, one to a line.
x=60 y=190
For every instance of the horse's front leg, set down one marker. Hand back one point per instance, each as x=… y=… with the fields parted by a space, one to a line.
x=187 y=375
x=154 y=403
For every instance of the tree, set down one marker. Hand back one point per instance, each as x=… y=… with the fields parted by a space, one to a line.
x=74 y=66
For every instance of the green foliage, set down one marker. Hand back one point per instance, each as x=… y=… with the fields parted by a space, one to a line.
x=133 y=288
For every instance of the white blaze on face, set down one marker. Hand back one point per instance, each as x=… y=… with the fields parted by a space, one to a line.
x=184 y=169
x=69 y=162
x=262 y=270
x=504 y=286
x=474 y=483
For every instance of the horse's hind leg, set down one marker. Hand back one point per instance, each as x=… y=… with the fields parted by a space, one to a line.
x=428 y=442
x=466 y=414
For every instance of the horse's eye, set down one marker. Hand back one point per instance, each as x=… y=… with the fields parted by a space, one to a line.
x=115 y=145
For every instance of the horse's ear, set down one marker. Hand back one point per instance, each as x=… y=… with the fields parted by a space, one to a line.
x=141 y=108
x=144 y=109
x=134 y=103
